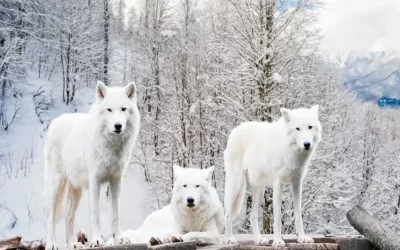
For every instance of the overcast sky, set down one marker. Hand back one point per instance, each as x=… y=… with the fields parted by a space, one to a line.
x=359 y=25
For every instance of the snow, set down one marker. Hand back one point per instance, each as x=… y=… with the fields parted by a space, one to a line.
x=268 y=51
x=192 y=109
x=21 y=189
x=277 y=78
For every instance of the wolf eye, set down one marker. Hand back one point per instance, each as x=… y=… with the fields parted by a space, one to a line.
x=197 y=186
x=298 y=129
x=310 y=127
x=184 y=185
x=109 y=110
x=123 y=109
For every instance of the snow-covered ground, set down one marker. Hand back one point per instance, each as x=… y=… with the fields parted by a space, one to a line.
x=21 y=180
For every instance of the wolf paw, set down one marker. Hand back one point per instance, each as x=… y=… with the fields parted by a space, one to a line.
x=155 y=241
x=51 y=246
x=97 y=242
x=261 y=241
x=304 y=239
x=230 y=241
x=76 y=245
x=122 y=240
x=278 y=243
x=82 y=237
x=160 y=240
x=175 y=239
x=110 y=241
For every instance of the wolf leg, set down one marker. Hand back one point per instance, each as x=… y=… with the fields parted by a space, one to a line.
x=210 y=234
x=55 y=190
x=277 y=204
x=257 y=193
x=235 y=190
x=297 y=192
x=75 y=195
x=209 y=237
x=94 y=195
x=115 y=188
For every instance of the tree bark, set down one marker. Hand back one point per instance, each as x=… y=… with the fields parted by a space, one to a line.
x=68 y=73
x=106 y=41
x=381 y=236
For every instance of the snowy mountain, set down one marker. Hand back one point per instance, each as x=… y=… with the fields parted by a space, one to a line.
x=372 y=75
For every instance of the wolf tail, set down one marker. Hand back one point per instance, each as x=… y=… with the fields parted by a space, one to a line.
x=235 y=184
x=55 y=186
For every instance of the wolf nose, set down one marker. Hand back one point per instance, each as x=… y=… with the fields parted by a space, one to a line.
x=307 y=145
x=118 y=126
x=190 y=200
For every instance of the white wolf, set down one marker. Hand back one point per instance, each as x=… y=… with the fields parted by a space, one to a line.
x=195 y=213
x=86 y=150
x=270 y=154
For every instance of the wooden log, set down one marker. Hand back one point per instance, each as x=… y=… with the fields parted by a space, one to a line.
x=379 y=235
x=288 y=246
x=10 y=243
x=175 y=246
x=122 y=247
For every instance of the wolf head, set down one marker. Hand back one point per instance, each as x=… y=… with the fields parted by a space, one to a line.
x=191 y=186
x=115 y=106
x=303 y=128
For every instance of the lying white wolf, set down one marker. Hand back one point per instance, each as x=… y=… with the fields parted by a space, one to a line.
x=270 y=154
x=85 y=150
x=195 y=213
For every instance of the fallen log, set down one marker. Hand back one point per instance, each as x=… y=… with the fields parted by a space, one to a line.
x=378 y=234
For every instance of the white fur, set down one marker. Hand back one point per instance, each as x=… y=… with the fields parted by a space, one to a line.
x=272 y=155
x=84 y=150
x=202 y=223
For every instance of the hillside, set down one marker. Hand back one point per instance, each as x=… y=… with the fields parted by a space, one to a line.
x=372 y=75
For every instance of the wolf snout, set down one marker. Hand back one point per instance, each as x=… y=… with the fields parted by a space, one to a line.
x=190 y=202
x=307 y=145
x=118 y=127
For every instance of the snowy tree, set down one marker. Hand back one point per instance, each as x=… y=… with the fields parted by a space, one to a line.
x=17 y=25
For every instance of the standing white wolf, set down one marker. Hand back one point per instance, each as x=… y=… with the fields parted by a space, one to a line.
x=86 y=150
x=270 y=154
x=195 y=213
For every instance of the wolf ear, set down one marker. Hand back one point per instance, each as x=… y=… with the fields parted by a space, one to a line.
x=210 y=172
x=176 y=170
x=315 y=109
x=285 y=114
x=101 y=90
x=130 y=90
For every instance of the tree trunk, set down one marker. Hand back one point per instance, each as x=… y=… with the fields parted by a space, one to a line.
x=63 y=72
x=267 y=212
x=68 y=73
x=158 y=95
x=3 y=100
x=157 y=81
x=264 y=87
x=106 y=41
